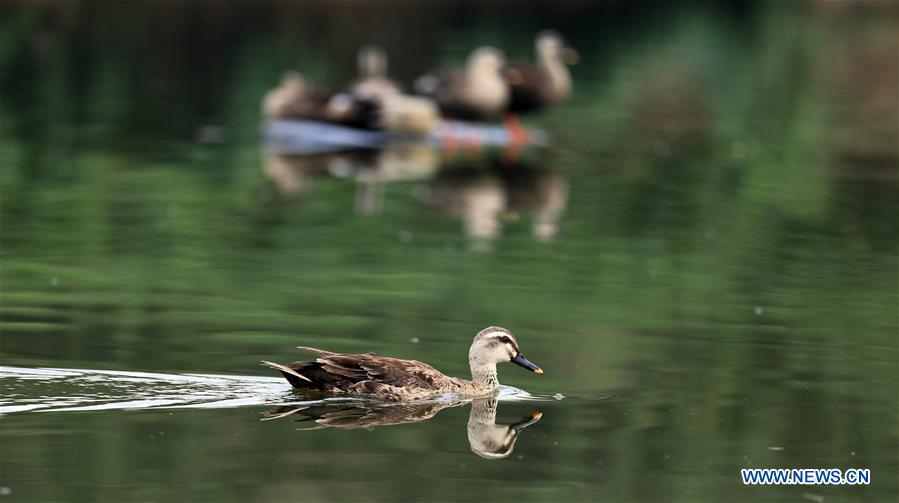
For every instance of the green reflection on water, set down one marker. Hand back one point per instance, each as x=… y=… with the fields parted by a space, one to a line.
x=726 y=264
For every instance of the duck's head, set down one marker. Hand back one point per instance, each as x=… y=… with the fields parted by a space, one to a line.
x=550 y=46
x=497 y=345
x=486 y=60
x=372 y=61
x=293 y=81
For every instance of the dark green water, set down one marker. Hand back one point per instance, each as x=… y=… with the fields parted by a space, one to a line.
x=704 y=264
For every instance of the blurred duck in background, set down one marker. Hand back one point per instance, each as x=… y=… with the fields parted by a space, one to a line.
x=292 y=98
x=532 y=87
x=476 y=92
x=373 y=102
x=373 y=82
x=295 y=98
x=484 y=90
x=397 y=112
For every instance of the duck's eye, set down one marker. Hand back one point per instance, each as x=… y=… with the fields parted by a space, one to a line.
x=505 y=340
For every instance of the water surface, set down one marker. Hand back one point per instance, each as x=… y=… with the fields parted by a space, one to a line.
x=704 y=263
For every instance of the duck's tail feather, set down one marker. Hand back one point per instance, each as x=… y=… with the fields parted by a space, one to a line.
x=296 y=379
x=316 y=351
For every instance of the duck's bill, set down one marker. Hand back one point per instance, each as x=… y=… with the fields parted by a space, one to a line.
x=571 y=56
x=521 y=361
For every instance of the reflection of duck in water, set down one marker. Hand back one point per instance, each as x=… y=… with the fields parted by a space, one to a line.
x=477 y=197
x=393 y=164
x=482 y=197
x=292 y=175
x=399 y=380
x=486 y=438
x=542 y=192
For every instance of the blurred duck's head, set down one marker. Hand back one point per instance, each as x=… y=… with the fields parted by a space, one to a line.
x=550 y=46
x=293 y=81
x=372 y=61
x=486 y=60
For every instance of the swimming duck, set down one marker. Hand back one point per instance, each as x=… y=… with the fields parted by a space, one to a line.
x=399 y=380
x=533 y=87
x=477 y=92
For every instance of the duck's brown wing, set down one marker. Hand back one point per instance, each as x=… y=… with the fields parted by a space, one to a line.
x=382 y=370
x=526 y=88
x=388 y=378
x=366 y=374
x=402 y=373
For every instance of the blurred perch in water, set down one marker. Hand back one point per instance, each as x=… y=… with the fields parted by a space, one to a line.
x=299 y=137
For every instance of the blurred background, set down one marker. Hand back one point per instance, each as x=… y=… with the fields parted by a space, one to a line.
x=703 y=261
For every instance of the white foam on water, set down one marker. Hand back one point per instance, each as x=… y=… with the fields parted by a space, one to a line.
x=55 y=389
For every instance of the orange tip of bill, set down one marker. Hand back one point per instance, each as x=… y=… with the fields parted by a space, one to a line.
x=538 y=371
x=536 y=416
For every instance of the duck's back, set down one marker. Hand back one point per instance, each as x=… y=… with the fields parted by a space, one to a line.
x=368 y=374
x=526 y=88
